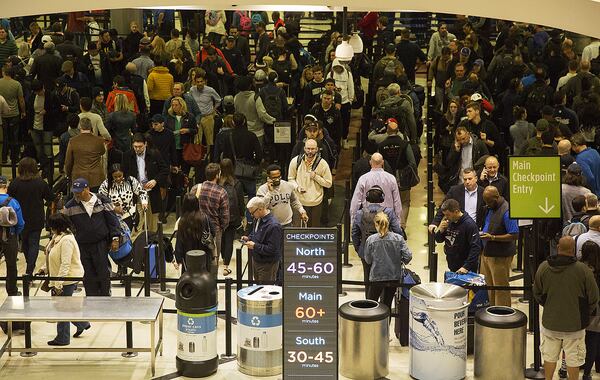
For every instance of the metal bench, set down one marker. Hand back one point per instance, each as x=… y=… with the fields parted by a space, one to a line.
x=77 y=309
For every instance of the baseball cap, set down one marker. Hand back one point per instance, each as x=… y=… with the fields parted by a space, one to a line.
x=158 y=118
x=3 y=180
x=476 y=97
x=230 y=38
x=465 y=51
x=79 y=185
x=46 y=38
x=391 y=120
x=548 y=110
x=311 y=125
x=542 y=125
x=479 y=62
x=309 y=117
x=575 y=168
x=228 y=100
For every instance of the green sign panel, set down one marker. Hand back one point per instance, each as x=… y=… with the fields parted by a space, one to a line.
x=535 y=190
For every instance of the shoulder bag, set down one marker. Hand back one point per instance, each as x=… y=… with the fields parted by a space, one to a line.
x=242 y=168
x=194 y=152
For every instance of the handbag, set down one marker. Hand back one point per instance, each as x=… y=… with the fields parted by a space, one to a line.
x=207 y=238
x=125 y=245
x=194 y=152
x=242 y=168
x=407 y=177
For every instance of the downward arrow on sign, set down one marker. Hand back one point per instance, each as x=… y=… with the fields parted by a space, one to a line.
x=546 y=209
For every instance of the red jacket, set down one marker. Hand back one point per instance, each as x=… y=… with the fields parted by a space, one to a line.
x=110 y=99
x=201 y=56
x=368 y=24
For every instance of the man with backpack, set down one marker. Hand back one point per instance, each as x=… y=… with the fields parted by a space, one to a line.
x=275 y=102
x=538 y=95
x=97 y=230
x=329 y=116
x=460 y=235
x=364 y=225
x=399 y=106
x=396 y=150
x=11 y=225
x=311 y=175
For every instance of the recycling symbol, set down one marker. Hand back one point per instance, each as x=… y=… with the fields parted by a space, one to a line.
x=190 y=321
x=255 y=321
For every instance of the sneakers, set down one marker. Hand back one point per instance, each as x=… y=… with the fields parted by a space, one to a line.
x=54 y=342
x=80 y=331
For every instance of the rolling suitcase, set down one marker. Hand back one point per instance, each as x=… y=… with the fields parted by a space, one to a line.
x=402 y=297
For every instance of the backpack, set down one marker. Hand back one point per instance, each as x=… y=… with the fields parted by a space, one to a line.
x=536 y=100
x=367 y=224
x=573 y=228
x=245 y=21
x=595 y=65
x=234 y=207
x=213 y=18
x=315 y=163
x=8 y=215
x=272 y=103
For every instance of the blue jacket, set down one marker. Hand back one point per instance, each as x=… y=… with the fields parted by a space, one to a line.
x=18 y=228
x=103 y=225
x=267 y=240
x=357 y=232
x=589 y=160
x=387 y=256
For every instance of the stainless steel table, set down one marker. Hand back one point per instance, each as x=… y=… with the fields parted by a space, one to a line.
x=78 y=309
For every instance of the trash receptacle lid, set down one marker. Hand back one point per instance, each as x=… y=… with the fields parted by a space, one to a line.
x=500 y=317
x=261 y=293
x=438 y=291
x=364 y=311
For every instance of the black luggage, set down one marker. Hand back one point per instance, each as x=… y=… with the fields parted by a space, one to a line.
x=402 y=296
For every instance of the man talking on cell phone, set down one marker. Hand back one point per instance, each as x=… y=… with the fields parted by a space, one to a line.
x=491 y=177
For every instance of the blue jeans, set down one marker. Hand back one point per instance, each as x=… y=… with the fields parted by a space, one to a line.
x=249 y=186
x=31 y=248
x=63 y=329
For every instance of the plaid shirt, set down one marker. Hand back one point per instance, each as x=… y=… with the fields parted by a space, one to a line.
x=214 y=203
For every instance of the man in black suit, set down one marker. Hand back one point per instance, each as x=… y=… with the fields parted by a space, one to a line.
x=470 y=198
x=491 y=177
x=467 y=151
x=148 y=166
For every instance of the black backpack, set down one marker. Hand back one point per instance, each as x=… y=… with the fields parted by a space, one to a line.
x=232 y=196
x=536 y=100
x=595 y=65
x=272 y=103
x=367 y=224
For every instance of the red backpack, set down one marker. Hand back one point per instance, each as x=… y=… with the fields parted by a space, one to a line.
x=245 y=21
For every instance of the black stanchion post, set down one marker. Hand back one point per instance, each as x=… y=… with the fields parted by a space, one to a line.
x=228 y=354
x=250 y=268
x=162 y=263
x=341 y=291
x=358 y=150
x=520 y=247
x=535 y=372
x=239 y=267
x=128 y=325
x=178 y=206
x=346 y=250
x=26 y=284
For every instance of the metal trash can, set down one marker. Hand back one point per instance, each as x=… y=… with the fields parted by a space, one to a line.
x=438 y=331
x=496 y=327
x=364 y=339
x=260 y=330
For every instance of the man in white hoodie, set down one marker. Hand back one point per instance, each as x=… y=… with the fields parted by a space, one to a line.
x=247 y=103
x=310 y=174
x=344 y=83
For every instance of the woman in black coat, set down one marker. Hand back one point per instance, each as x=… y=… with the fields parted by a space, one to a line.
x=184 y=127
x=194 y=231
x=31 y=191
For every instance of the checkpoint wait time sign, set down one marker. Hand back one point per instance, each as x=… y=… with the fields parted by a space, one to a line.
x=535 y=190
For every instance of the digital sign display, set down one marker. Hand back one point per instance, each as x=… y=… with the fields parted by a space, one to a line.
x=310 y=304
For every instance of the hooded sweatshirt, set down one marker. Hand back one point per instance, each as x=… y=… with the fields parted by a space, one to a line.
x=567 y=290
x=462 y=244
x=247 y=103
x=344 y=81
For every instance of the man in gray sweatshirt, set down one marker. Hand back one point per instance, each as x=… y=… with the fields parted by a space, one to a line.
x=280 y=197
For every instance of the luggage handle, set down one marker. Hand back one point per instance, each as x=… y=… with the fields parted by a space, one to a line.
x=465 y=304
